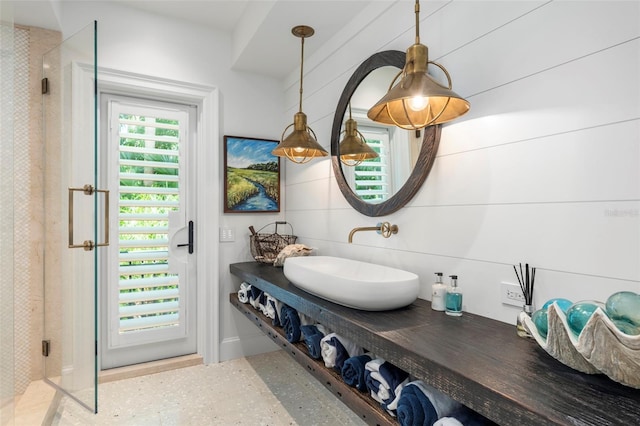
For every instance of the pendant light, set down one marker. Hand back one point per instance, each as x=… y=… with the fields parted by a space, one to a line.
x=418 y=100
x=354 y=148
x=300 y=146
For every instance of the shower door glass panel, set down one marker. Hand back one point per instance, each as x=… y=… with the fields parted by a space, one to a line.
x=73 y=225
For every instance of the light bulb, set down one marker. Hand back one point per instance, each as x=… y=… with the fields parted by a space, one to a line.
x=351 y=160
x=418 y=103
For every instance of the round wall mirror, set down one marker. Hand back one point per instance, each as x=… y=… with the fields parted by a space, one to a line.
x=383 y=185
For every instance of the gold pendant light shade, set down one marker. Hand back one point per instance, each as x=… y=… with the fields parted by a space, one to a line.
x=354 y=148
x=300 y=146
x=418 y=100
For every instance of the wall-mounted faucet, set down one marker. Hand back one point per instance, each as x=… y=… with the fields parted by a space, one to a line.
x=385 y=229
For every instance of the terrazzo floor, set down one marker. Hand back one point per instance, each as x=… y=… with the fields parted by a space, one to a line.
x=268 y=389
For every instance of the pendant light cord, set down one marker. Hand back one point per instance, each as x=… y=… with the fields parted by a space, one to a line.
x=417 y=22
x=301 y=71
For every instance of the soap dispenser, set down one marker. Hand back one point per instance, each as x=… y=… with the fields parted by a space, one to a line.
x=453 y=299
x=438 y=293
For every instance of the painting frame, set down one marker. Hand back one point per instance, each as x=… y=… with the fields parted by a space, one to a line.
x=251 y=175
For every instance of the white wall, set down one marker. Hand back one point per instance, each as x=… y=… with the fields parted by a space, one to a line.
x=544 y=169
x=250 y=105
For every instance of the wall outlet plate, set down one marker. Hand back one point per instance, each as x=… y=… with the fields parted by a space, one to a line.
x=511 y=294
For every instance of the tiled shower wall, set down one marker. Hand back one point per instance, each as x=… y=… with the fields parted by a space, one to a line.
x=544 y=169
x=30 y=44
x=22 y=223
x=7 y=382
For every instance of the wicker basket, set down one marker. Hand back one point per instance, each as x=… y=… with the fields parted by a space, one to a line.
x=265 y=247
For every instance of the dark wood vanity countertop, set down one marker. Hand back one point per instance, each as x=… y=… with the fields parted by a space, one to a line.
x=478 y=361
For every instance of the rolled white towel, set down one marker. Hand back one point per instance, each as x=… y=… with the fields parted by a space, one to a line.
x=393 y=405
x=330 y=352
x=385 y=383
x=269 y=308
x=384 y=391
x=254 y=297
x=262 y=303
x=374 y=365
x=448 y=421
x=243 y=293
x=272 y=308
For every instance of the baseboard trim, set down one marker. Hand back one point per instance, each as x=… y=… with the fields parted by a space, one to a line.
x=235 y=347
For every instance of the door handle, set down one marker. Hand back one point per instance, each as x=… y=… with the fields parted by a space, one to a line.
x=190 y=243
x=89 y=245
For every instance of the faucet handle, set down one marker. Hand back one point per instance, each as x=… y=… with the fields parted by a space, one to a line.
x=386 y=229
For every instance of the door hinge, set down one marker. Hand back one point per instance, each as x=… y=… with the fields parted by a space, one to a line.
x=45 y=86
x=46 y=347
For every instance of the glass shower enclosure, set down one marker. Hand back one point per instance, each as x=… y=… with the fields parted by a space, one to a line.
x=74 y=217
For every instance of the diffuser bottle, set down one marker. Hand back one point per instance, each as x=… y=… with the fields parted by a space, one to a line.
x=438 y=293
x=453 y=300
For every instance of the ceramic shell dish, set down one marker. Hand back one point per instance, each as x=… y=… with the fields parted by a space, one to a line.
x=600 y=348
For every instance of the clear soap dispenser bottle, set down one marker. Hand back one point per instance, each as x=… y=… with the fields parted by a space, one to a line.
x=438 y=293
x=454 y=298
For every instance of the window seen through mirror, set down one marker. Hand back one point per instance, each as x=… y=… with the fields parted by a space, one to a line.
x=378 y=179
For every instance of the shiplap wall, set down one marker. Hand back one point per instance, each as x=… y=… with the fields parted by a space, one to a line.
x=544 y=169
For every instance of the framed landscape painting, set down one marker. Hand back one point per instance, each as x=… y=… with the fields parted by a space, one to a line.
x=251 y=175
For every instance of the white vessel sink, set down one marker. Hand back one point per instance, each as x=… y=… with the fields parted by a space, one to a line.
x=352 y=283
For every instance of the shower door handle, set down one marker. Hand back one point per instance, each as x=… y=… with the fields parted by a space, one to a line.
x=89 y=245
x=190 y=243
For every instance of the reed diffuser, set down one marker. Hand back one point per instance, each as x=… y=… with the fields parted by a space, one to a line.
x=526 y=279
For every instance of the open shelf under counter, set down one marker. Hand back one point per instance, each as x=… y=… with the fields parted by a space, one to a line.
x=478 y=361
x=360 y=403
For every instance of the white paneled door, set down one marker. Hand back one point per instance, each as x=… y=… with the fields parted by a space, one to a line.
x=149 y=301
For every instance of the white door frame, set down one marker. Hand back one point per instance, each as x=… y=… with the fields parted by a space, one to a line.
x=205 y=98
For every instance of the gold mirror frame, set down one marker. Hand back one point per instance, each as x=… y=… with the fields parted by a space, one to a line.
x=428 y=150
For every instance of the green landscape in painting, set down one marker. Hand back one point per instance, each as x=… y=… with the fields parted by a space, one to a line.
x=241 y=183
x=252 y=175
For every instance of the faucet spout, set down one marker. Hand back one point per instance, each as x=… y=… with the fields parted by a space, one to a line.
x=362 y=228
x=384 y=228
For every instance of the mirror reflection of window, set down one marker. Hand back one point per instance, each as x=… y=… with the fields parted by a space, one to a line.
x=371 y=180
x=379 y=179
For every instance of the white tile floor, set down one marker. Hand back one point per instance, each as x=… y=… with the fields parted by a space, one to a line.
x=267 y=389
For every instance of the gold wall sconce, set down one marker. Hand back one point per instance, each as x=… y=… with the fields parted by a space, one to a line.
x=301 y=145
x=418 y=100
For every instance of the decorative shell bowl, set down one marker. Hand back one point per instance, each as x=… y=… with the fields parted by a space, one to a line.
x=600 y=348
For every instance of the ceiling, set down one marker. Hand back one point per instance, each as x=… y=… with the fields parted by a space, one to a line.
x=260 y=28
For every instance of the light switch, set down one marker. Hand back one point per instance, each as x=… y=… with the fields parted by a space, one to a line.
x=227 y=235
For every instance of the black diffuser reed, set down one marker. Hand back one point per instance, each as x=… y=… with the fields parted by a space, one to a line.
x=526 y=279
